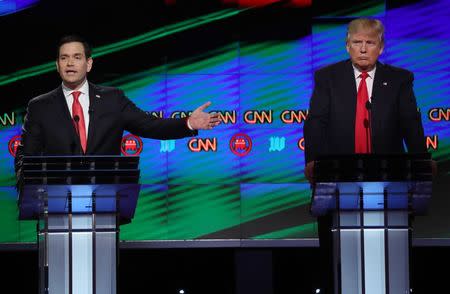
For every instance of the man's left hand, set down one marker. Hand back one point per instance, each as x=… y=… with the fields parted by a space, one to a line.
x=200 y=120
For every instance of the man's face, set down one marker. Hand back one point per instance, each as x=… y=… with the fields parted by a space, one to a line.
x=73 y=65
x=364 y=49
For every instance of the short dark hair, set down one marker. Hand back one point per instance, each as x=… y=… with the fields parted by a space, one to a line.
x=74 y=38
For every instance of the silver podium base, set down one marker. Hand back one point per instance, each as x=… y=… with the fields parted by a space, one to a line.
x=371 y=252
x=77 y=253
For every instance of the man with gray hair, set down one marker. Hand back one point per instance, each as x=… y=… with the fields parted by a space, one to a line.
x=359 y=105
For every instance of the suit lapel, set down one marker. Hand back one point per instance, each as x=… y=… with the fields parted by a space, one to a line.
x=379 y=85
x=348 y=90
x=94 y=101
x=349 y=86
x=345 y=91
x=378 y=82
x=64 y=114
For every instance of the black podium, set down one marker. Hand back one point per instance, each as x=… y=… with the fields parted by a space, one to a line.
x=79 y=202
x=372 y=199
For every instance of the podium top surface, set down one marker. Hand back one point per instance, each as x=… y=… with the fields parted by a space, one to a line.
x=71 y=184
x=79 y=170
x=373 y=168
x=372 y=182
x=55 y=162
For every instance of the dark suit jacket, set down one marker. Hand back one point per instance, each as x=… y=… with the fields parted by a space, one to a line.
x=48 y=128
x=330 y=125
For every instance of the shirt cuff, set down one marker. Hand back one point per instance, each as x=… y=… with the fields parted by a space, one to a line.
x=189 y=125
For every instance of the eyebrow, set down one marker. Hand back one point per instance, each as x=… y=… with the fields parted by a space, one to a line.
x=66 y=55
x=367 y=41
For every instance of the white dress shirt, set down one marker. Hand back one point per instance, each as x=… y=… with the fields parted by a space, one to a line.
x=369 y=80
x=84 y=101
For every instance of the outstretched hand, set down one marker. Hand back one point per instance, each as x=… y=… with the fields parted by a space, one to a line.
x=200 y=120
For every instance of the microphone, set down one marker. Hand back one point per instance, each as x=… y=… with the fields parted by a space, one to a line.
x=368 y=123
x=76 y=120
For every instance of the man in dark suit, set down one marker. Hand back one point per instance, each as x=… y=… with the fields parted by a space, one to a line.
x=360 y=106
x=79 y=117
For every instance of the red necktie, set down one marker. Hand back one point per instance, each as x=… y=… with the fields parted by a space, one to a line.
x=362 y=132
x=77 y=111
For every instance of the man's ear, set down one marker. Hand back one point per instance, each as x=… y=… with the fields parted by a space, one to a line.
x=57 y=66
x=90 y=61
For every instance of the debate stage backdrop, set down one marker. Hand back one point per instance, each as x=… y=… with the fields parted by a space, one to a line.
x=254 y=60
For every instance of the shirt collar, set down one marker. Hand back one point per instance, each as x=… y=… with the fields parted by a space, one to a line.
x=357 y=72
x=84 y=89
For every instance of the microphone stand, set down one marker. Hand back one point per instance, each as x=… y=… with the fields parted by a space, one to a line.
x=368 y=126
x=76 y=120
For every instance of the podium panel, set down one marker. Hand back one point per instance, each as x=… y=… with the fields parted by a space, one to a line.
x=79 y=203
x=371 y=199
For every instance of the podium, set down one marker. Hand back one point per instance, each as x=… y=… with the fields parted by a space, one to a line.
x=79 y=203
x=371 y=199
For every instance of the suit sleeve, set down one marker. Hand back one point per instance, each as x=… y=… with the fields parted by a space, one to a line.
x=143 y=124
x=410 y=118
x=316 y=124
x=31 y=139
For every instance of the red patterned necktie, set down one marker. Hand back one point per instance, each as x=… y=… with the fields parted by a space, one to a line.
x=77 y=111
x=362 y=132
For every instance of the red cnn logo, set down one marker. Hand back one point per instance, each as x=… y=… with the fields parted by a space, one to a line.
x=301 y=144
x=197 y=145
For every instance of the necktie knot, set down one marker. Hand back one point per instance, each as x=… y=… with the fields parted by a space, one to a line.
x=364 y=75
x=76 y=94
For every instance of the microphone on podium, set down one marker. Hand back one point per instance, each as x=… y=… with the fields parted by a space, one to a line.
x=368 y=123
x=76 y=120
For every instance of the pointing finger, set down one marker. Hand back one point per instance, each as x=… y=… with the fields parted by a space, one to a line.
x=204 y=106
